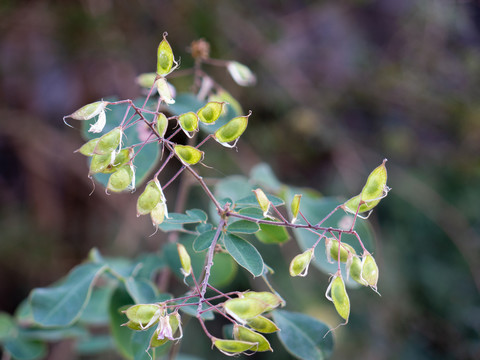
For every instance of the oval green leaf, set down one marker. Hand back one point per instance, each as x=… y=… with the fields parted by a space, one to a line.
x=244 y=253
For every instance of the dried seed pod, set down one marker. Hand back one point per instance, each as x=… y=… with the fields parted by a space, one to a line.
x=369 y=271
x=232 y=347
x=262 y=324
x=109 y=141
x=150 y=197
x=244 y=334
x=339 y=297
x=241 y=74
x=158 y=214
x=299 y=264
x=88 y=148
x=270 y=300
x=165 y=58
x=210 y=112
x=161 y=124
x=295 y=206
x=143 y=315
x=121 y=179
x=168 y=326
x=184 y=260
x=188 y=122
x=242 y=309
x=262 y=201
x=232 y=130
x=98 y=126
x=89 y=111
x=188 y=155
x=331 y=246
x=146 y=80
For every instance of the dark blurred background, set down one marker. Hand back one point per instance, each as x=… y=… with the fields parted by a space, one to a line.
x=341 y=85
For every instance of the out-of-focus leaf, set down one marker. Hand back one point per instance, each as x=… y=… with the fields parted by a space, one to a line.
x=243 y=226
x=272 y=234
x=121 y=334
x=244 y=253
x=24 y=349
x=223 y=271
x=142 y=291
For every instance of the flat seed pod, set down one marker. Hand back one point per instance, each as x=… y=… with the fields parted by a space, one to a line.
x=100 y=163
x=146 y=80
x=262 y=324
x=184 y=260
x=88 y=148
x=332 y=247
x=244 y=334
x=244 y=308
x=262 y=201
x=158 y=214
x=210 y=112
x=295 y=206
x=188 y=154
x=226 y=97
x=166 y=330
x=299 y=264
x=121 y=179
x=188 y=122
x=161 y=125
x=270 y=300
x=121 y=158
x=241 y=74
x=232 y=347
x=143 y=314
x=340 y=297
x=150 y=197
x=164 y=57
x=109 y=142
x=232 y=130
x=89 y=111
x=369 y=271
x=165 y=91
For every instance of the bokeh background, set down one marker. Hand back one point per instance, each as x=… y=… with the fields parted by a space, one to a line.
x=341 y=85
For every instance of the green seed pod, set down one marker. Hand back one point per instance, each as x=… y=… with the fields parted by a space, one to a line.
x=241 y=74
x=262 y=324
x=355 y=270
x=167 y=327
x=270 y=300
x=165 y=91
x=331 y=245
x=188 y=122
x=295 y=206
x=100 y=163
x=184 y=260
x=162 y=124
x=188 y=155
x=232 y=130
x=88 y=148
x=89 y=111
x=242 y=309
x=244 y=334
x=165 y=58
x=369 y=271
x=150 y=197
x=374 y=190
x=210 y=112
x=158 y=214
x=121 y=179
x=226 y=97
x=262 y=201
x=146 y=80
x=299 y=264
x=232 y=347
x=145 y=315
x=109 y=142
x=339 y=297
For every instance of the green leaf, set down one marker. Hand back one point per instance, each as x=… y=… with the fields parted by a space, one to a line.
x=244 y=227
x=262 y=174
x=244 y=253
x=7 y=326
x=223 y=271
x=54 y=334
x=251 y=200
x=96 y=311
x=192 y=310
x=141 y=342
x=203 y=241
x=254 y=212
x=62 y=304
x=303 y=336
x=24 y=349
x=272 y=234
x=121 y=334
x=142 y=291
x=191 y=217
x=94 y=344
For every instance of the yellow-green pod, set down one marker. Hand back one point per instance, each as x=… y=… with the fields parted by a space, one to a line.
x=88 y=148
x=299 y=264
x=243 y=309
x=369 y=271
x=188 y=122
x=121 y=179
x=226 y=97
x=184 y=260
x=161 y=125
x=146 y=80
x=232 y=347
x=232 y=130
x=165 y=91
x=145 y=315
x=149 y=198
x=331 y=244
x=109 y=142
x=270 y=300
x=210 y=112
x=164 y=57
x=241 y=74
x=158 y=214
x=262 y=324
x=89 y=111
x=262 y=201
x=355 y=270
x=188 y=155
x=244 y=334
x=339 y=297
x=121 y=158
x=100 y=163
x=295 y=206
x=168 y=326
